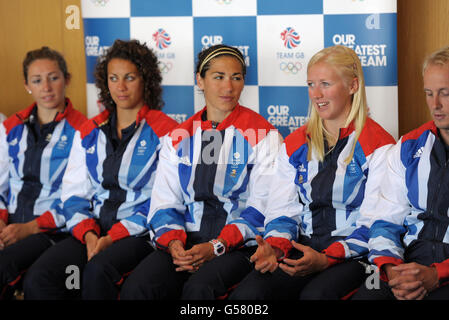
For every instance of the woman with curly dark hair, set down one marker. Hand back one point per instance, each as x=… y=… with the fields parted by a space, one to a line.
x=108 y=183
x=145 y=62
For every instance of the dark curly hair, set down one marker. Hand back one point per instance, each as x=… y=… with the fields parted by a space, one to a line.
x=44 y=53
x=147 y=64
x=217 y=51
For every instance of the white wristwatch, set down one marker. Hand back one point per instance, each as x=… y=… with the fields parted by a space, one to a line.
x=219 y=247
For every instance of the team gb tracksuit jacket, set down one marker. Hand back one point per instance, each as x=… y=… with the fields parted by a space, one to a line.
x=329 y=203
x=414 y=204
x=213 y=181
x=33 y=160
x=108 y=183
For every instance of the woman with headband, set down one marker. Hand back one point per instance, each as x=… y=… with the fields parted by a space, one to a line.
x=324 y=191
x=210 y=191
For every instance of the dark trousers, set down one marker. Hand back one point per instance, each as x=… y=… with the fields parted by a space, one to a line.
x=18 y=257
x=156 y=278
x=384 y=293
x=333 y=283
x=54 y=275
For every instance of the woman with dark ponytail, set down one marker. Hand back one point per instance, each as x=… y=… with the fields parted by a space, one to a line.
x=34 y=147
x=210 y=191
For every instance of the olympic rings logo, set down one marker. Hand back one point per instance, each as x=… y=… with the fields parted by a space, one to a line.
x=290 y=67
x=165 y=67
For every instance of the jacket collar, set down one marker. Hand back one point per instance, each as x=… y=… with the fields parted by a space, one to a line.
x=229 y=120
x=103 y=117
x=25 y=114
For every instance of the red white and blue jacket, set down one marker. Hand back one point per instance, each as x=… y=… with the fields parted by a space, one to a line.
x=213 y=182
x=413 y=209
x=108 y=182
x=329 y=202
x=33 y=160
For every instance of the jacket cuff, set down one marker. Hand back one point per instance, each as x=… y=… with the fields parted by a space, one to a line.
x=281 y=243
x=335 y=253
x=84 y=226
x=442 y=269
x=4 y=215
x=118 y=231
x=168 y=236
x=231 y=234
x=46 y=221
x=381 y=261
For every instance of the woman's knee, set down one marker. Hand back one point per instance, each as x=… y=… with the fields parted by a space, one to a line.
x=136 y=287
x=96 y=270
x=253 y=287
x=35 y=282
x=151 y=279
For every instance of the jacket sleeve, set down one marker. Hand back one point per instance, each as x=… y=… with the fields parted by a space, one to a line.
x=386 y=232
x=251 y=220
x=387 y=229
x=132 y=225
x=166 y=221
x=77 y=192
x=356 y=244
x=136 y=223
x=442 y=270
x=284 y=207
x=4 y=175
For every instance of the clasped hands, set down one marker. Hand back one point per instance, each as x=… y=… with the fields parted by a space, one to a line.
x=190 y=260
x=411 y=281
x=95 y=244
x=407 y=281
x=266 y=259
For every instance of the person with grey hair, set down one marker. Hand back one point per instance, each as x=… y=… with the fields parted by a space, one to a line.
x=409 y=240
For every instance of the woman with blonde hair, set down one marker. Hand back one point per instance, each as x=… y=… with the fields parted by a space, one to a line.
x=320 y=129
x=326 y=185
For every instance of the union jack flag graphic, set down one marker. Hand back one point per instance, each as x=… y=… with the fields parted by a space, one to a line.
x=290 y=38
x=162 y=39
